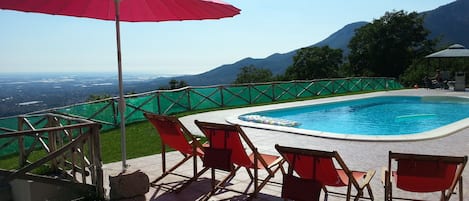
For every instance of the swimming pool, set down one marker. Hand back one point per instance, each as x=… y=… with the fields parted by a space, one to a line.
x=375 y=118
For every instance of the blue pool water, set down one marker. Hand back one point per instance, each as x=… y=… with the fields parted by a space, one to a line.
x=385 y=115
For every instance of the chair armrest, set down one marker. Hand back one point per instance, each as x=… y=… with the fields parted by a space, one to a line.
x=384 y=171
x=205 y=144
x=369 y=175
x=279 y=161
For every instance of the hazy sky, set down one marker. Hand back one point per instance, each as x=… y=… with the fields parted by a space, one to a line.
x=45 y=43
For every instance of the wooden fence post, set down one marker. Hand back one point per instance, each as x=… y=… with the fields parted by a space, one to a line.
x=96 y=159
x=22 y=153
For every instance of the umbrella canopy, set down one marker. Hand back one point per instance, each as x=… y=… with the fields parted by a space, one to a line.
x=129 y=11
x=452 y=51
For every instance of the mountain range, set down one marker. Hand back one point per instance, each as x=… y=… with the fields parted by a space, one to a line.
x=449 y=22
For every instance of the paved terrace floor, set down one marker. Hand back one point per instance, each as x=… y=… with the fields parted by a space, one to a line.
x=358 y=155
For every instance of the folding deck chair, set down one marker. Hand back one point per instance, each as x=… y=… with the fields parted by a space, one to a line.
x=318 y=166
x=174 y=135
x=424 y=174
x=226 y=152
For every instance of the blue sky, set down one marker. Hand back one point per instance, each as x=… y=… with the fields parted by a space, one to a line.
x=44 y=43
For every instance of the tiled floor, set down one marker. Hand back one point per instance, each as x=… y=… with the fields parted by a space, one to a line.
x=358 y=155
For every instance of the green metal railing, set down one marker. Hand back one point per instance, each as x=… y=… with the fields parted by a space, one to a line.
x=185 y=99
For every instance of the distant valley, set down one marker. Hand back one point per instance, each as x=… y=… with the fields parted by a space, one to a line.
x=27 y=92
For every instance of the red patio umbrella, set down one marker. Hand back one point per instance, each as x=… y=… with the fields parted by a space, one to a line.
x=128 y=11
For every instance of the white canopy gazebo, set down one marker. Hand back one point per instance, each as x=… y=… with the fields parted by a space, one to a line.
x=454 y=51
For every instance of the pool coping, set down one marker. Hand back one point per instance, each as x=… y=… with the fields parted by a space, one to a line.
x=432 y=134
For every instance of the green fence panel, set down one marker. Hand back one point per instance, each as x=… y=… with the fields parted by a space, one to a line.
x=262 y=93
x=362 y=84
x=393 y=84
x=284 y=91
x=372 y=84
x=205 y=98
x=368 y=85
x=354 y=84
x=324 y=87
x=8 y=124
x=36 y=122
x=340 y=86
x=102 y=111
x=236 y=96
x=137 y=105
x=305 y=89
x=10 y=145
x=380 y=84
x=172 y=102
x=150 y=103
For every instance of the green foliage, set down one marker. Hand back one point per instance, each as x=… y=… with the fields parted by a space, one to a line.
x=280 y=77
x=451 y=64
x=314 y=62
x=95 y=97
x=415 y=74
x=426 y=68
x=175 y=84
x=251 y=74
x=389 y=45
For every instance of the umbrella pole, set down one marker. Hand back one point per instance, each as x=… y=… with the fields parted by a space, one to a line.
x=121 y=89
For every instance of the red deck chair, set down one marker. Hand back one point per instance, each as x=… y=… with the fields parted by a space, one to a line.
x=424 y=174
x=319 y=166
x=174 y=135
x=226 y=152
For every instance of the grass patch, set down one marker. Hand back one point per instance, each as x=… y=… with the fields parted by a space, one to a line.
x=11 y=162
x=141 y=140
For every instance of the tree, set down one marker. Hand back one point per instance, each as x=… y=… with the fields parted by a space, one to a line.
x=314 y=62
x=415 y=74
x=251 y=74
x=95 y=97
x=174 y=84
x=387 y=46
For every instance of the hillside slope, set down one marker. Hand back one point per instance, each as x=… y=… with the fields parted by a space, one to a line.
x=277 y=63
x=450 y=22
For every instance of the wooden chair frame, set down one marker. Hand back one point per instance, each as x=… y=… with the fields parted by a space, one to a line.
x=446 y=193
x=257 y=161
x=359 y=186
x=197 y=151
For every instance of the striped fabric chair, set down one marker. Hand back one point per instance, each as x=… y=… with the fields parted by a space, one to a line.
x=174 y=135
x=318 y=166
x=226 y=152
x=424 y=174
